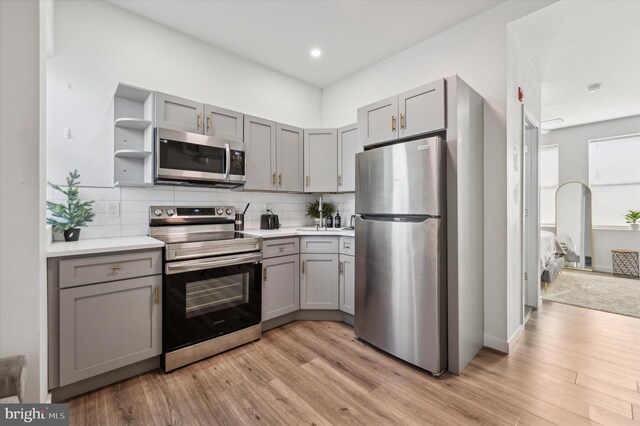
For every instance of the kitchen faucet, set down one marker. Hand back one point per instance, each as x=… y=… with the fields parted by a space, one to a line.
x=320 y=213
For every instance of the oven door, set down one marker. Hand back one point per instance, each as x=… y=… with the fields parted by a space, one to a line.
x=206 y=298
x=190 y=156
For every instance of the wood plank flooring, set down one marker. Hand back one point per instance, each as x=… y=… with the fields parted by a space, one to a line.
x=572 y=366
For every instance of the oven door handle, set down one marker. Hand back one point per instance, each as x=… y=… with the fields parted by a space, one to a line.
x=200 y=264
x=228 y=150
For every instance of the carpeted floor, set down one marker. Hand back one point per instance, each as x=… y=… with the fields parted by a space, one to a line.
x=595 y=290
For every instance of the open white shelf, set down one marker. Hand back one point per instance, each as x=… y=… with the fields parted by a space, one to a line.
x=132 y=153
x=132 y=123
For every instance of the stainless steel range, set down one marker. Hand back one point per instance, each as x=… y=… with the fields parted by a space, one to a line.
x=212 y=282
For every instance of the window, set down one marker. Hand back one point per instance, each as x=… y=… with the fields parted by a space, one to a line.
x=548 y=175
x=614 y=178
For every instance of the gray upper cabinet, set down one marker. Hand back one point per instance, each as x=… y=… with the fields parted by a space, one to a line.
x=281 y=286
x=414 y=112
x=290 y=158
x=107 y=326
x=422 y=110
x=348 y=146
x=319 y=281
x=177 y=113
x=223 y=123
x=378 y=122
x=347 y=284
x=320 y=160
x=260 y=140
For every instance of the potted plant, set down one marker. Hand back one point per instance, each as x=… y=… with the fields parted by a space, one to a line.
x=67 y=218
x=313 y=209
x=633 y=219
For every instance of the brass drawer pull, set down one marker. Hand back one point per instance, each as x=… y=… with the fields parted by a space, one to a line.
x=199 y=120
x=393 y=123
x=115 y=268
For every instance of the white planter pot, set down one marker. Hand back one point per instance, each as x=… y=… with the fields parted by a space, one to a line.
x=634 y=226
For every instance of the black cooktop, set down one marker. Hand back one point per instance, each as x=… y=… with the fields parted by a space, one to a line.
x=198 y=237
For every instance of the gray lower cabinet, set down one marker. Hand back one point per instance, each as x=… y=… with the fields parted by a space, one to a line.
x=260 y=141
x=176 y=113
x=319 y=281
x=348 y=146
x=223 y=123
x=320 y=160
x=280 y=286
x=347 y=284
x=109 y=325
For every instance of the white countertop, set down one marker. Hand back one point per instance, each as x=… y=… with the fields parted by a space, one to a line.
x=299 y=231
x=101 y=245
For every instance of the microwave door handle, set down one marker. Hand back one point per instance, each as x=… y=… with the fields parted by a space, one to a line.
x=228 y=160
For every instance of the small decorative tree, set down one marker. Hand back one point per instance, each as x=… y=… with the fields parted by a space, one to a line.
x=67 y=218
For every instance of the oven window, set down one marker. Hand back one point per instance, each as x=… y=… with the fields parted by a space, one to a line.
x=215 y=294
x=191 y=157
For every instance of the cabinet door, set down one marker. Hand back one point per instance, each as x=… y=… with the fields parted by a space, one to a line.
x=422 y=109
x=108 y=326
x=290 y=164
x=176 y=113
x=319 y=281
x=378 y=122
x=321 y=160
x=348 y=147
x=347 y=284
x=260 y=140
x=280 y=286
x=223 y=123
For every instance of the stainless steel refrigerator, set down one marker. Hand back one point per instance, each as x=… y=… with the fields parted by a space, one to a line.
x=401 y=296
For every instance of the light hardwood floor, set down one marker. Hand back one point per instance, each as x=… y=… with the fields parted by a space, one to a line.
x=572 y=366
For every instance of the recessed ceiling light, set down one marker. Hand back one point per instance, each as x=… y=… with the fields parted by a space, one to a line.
x=593 y=88
x=315 y=53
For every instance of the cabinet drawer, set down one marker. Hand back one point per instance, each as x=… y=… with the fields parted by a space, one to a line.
x=280 y=247
x=319 y=245
x=112 y=267
x=347 y=246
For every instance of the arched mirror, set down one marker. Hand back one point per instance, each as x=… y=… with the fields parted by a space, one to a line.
x=573 y=224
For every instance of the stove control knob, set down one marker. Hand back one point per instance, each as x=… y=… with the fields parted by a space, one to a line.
x=170 y=212
x=229 y=212
x=158 y=212
x=219 y=211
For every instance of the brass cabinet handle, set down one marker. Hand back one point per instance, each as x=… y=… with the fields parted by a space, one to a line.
x=340 y=268
x=280 y=179
x=265 y=274
x=402 y=124
x=303 y=262
x=274 y=178
x=199 y=120
x=339 y=180
x=393 y=123
x=157 y=297
x=208 y=122
x=115 y=268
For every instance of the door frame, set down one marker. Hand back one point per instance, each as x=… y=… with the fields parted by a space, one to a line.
x=530 y=208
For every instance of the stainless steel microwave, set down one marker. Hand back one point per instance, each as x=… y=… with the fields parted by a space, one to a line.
x=183 y=158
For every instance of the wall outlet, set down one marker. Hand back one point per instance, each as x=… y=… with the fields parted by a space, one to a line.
x=113 y=209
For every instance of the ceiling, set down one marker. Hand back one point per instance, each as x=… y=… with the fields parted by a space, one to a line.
x=352 y=34
x=576 y=43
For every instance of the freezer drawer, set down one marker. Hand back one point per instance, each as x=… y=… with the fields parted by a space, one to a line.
x=403 y=179
x=400 y=300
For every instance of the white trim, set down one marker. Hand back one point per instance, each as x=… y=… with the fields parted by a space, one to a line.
x=613 y=138
x=515 y=338
x=497 y=344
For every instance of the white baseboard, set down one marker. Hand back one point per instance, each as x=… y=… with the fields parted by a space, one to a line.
x=606 y=269
x=515 y=337
x=496 y=343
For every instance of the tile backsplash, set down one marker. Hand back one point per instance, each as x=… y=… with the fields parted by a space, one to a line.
x=134 y=206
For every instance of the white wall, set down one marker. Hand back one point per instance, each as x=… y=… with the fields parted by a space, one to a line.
x=573 y=166
x=21 y=213
x=98 y=45
x=476 y=50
